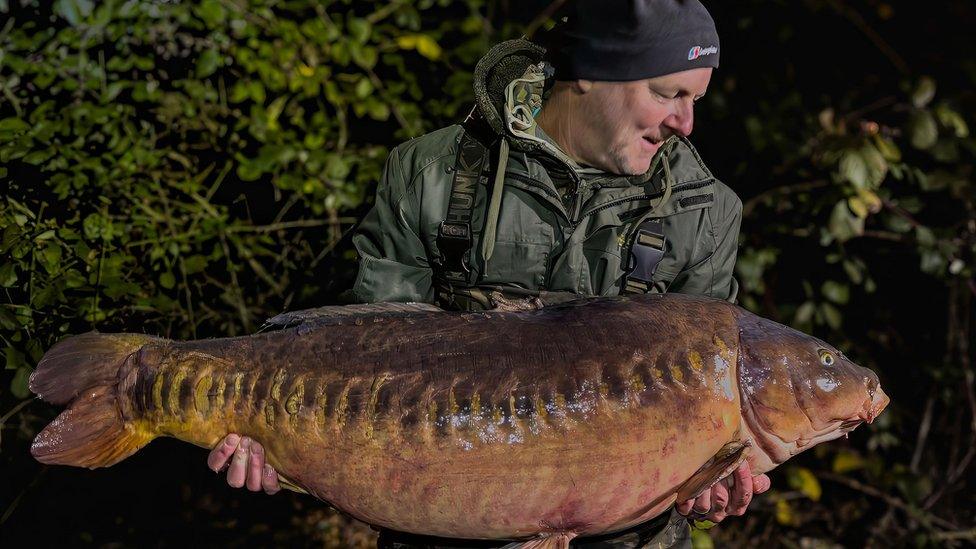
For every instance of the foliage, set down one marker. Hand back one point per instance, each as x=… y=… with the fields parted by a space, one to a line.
x=188 y=169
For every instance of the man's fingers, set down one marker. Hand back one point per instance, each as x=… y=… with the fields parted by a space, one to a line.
x=760 y=484
x=703 y=503
x=218 y=457
x=269 y=480
x=255 y=466
x=720 y=498
x=684 y=507
x=238 y=464
x=741 y=494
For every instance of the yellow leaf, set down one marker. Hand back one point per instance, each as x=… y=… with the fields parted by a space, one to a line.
x=701 y=540
x=870 y=199
x=407 y=41
x=427 y=47
x=802 y=479
x=847 y=461
x=784 y=513
x=305 y=70
x=857 y=206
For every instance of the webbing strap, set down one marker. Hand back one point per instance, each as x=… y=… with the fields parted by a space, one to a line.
x=454 y=233
x=646 y=252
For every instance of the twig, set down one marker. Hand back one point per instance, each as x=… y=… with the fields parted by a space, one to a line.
x=884 y=235
x=923 y=432
x=855 y=18
x=926 y=519
x=384 y=12
x=303 y=223
x=543 y=16
x=13 y=504
x=958 y=534
x=785 y=189
x=3 y=420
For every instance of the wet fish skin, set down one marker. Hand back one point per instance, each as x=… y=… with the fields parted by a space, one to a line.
x=477 y=425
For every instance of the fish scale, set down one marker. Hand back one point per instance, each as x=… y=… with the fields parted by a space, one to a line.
x=573 y=420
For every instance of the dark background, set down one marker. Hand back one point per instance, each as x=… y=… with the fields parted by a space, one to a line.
x=159 y=176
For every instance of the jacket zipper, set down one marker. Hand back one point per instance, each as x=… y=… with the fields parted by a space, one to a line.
x=650 y=196
x=578 y=203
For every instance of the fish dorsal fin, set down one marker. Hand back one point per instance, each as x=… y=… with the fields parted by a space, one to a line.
x=294 y=318
x=720 y=466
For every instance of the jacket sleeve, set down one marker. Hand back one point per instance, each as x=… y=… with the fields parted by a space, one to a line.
x=712 y=276
x=393 y=262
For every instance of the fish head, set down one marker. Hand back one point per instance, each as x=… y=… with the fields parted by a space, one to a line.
x=798 y=391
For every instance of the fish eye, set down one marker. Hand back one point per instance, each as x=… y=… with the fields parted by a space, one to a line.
x=826 y=358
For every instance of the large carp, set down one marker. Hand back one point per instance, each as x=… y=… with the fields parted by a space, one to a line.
x=571 y=420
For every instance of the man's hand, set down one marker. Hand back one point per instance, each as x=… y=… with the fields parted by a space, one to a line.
x=729 y=496
x=247 y=466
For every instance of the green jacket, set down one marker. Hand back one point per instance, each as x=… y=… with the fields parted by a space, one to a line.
x=560 y=227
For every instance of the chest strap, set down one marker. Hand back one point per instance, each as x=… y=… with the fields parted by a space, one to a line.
x=646 y=252
x=471 y=166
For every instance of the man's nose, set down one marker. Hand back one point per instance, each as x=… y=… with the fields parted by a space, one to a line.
x=682 y=120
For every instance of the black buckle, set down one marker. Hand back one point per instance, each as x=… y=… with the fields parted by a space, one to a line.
x=454 y=242
x=647 y=251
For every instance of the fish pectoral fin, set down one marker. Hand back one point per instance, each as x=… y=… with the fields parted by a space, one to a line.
x=546 y=541
x=290 y=485
x=720 y=466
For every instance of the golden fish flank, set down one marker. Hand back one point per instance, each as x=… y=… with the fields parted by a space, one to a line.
x=489 y=440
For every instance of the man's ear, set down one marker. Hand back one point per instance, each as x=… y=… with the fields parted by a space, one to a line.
x=582 y=86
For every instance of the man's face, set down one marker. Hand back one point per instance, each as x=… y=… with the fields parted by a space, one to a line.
x=624 y=123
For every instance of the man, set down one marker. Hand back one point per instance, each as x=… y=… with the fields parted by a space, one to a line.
x=588 y=188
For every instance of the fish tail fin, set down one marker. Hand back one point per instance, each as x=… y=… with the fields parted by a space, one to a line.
x=83 y=373
x=82 y=362
x=90 y=433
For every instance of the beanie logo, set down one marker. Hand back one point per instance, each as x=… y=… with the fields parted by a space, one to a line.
x=698 y=51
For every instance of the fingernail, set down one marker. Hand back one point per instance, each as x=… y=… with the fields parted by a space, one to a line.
x=245 y=443
x=232 y=440
x=268 y=470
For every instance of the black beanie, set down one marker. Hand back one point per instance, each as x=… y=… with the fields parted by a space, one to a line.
x=623 y=40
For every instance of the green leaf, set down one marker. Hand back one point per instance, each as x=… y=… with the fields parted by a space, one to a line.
x=924 y=92
x=19 y=384
x=887 y=148
x=952 y=120
x=877 y=166
x=804 y=313
x=208 y=62
x=73 y=10
x=359 y=29
x=8 y=275
x=854 y=169
x=211 y=12
x=13 y=125
x=13 y=359
x=195 y=264
x=167 y=280
x=924 y=235
x=836 y=292
x=923 y=130
x=844 y=225
x=363 y=88
x=831 y=315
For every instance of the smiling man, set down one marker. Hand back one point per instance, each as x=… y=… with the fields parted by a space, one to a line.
x=572 y=177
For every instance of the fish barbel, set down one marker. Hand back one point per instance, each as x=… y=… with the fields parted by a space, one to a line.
x=571 y=420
